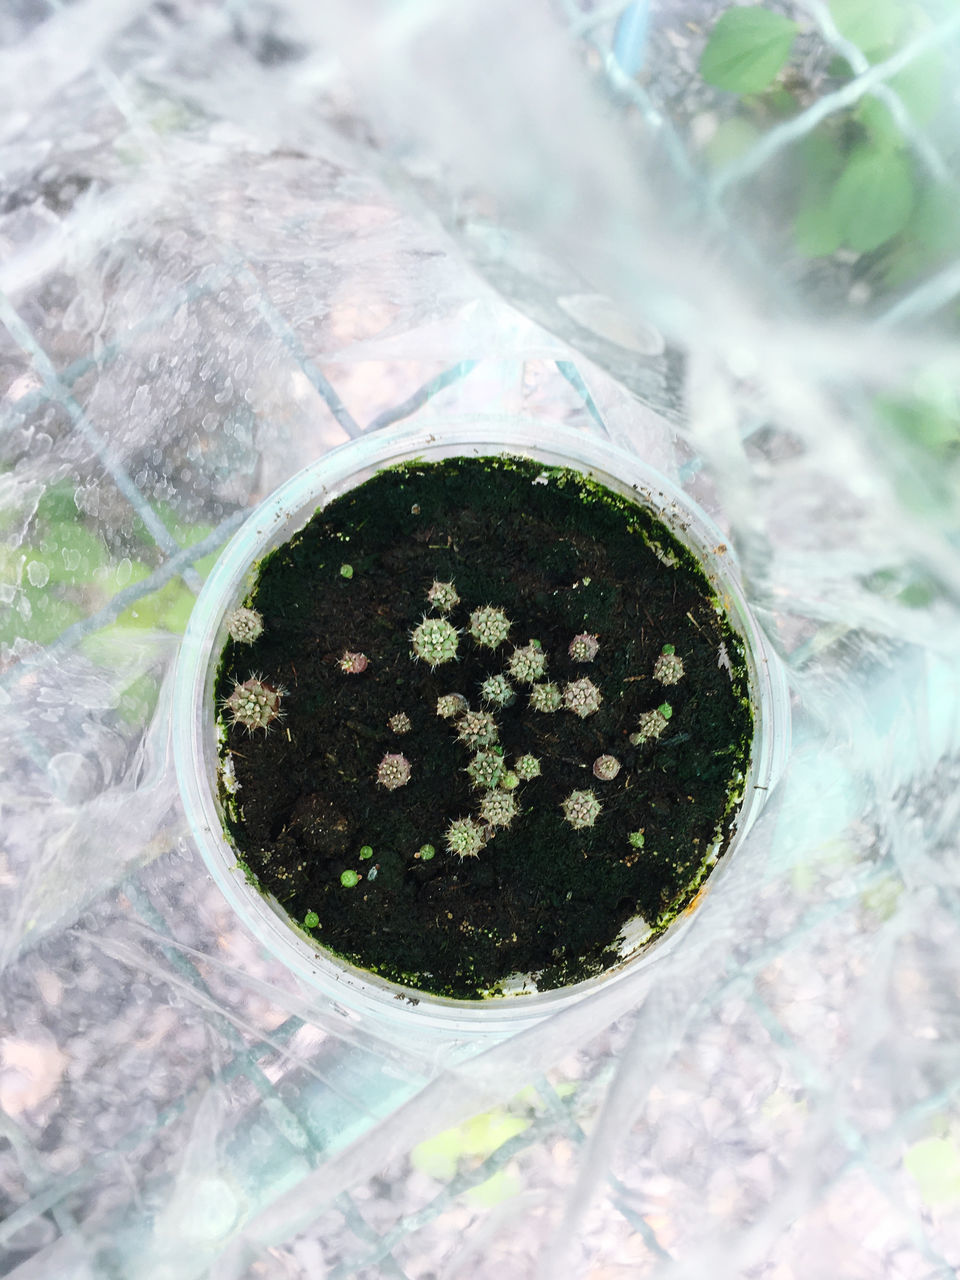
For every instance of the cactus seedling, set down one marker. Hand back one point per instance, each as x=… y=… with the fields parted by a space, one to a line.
x=545 y=697
x=489 y=626
x=527 y=767
x=485 y=769
x=465 y=838
x=651 y=724
x=353 y=663
x=509 y=780
x=399 y=723
x=581 y=809
x=254 y=704
x=443 y=596
x=477 y=729
x=366 y=852
x=527 y=664
x=434 y=641
x=349 y=879
x=244 y=625
x=425 y=852
x=393 y=771
x=582 y=697
x=583 y=647
x=451 y=704
x=311 y=920
x=498 y=690
x=668 y=668
x=499 y=808
x=606 y=768
x=636 y=839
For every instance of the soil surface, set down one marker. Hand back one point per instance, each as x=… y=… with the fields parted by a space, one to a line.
x=560 y=555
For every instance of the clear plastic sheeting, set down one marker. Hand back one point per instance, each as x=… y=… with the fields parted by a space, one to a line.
x=235 y=235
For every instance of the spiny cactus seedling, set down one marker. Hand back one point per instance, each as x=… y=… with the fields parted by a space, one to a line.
x=352 y=664
x=425 y=852
x=527 y=767
x=509 y=780
x=545 y=697
x=651 y=724
x=582 y=697
x=393 y=771
x=443 y=596
x=399 y=723
x=451 y=704
x=581 y=809
x=527 y=664
x=668 y=668
x=498 y=690
x=636 y=839
x=244 y=625
x=499 y=808
x=485 y=769
x=606 y=768
x=477 y=729
x=583 y=647
x=489 y=626
x=465 y=838
x=254 y=704
x=434 y=641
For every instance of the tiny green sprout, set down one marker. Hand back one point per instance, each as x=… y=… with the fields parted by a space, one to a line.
x=477 y=729
x=366 y=851
x=527 y=767
x=489 y=626
x=485 y=769
x=668 y=668
x=498 y=691
x=346 y=571
x=244 y=625
x=510 y=780
x=311 y=920
x=465 y=837
x=498 y=808
x=349 y=879
x=665 y=710
x=545 y=697
x=443 y=596
x=425 y=852
x=636 y=838
x=434 y=641
x=451 y=704
x=527 y=664
x=582 y=697
x=581 y=809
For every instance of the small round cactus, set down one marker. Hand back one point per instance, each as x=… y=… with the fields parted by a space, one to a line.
x=443 y=596
x=349 y=879
x=606 y=768
x=366 y=852
x=545 y=697
x=668 y=668
x=651 y=724
x=527 y=664
x=399 y=723
x=311 y=920
x=499 y=808
x=352 y=664
x=498 y=690
x=425 y=852
x=465 y=838
x=451 y=704
x=636 y=839
x=477 y=729
x=581 y=809
x=254 y=704
x=582 y=697
x=244 y=625
x=489 y=626
x=583 y=647
x=434 y=641
x=527 y=767
x=510 y=780
x=393 y=771
x=485 y=769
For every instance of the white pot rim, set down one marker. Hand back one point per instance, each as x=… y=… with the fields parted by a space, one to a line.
x=356 y=992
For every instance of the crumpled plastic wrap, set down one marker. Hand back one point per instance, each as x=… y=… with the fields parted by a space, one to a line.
x=233 y=236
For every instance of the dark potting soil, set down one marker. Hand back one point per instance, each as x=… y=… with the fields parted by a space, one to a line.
x=561 y=555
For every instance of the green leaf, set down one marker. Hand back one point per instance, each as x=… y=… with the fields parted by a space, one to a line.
x=932 y=238
x=920 y=86
x=873 y=198
x=815 y=231
x=872 y=25
x=746 y=49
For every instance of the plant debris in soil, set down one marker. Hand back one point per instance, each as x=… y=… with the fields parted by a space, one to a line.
x=345 y=853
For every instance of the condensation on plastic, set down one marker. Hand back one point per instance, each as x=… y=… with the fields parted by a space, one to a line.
x=234 y=236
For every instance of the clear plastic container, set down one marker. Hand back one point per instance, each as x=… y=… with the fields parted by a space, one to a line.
x=195 y=731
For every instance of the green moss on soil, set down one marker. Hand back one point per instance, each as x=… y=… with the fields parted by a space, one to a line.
x=559 y=557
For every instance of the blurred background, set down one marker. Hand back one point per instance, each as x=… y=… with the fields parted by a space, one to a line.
x=234 y=234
